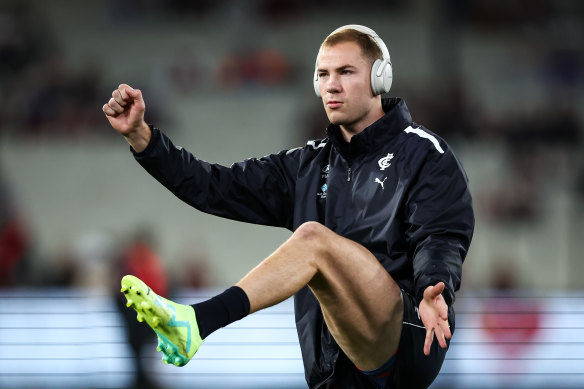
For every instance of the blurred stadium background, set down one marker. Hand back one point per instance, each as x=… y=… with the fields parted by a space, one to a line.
x=502 y=81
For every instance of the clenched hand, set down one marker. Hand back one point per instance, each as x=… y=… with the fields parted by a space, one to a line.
x=125 y=112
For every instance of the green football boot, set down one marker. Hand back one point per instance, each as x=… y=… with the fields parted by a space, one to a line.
x=175 y=324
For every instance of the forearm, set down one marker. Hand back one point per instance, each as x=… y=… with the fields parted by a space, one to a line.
x=251 y=191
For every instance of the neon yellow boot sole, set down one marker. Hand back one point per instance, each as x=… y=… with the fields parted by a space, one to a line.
x=175 y=324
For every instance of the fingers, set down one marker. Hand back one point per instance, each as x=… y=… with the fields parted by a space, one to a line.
x=428 y=341
x=442 y=332
x=441 y=337
x=115 y=106
x=443 y=313
x=120 y=99
x=122 y=88
x=107 y=110
x=128 y=93
x=436 y=317
x=446 y=329
x=124 y=94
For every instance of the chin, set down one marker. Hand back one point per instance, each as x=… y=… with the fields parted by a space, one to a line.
x=335 y=119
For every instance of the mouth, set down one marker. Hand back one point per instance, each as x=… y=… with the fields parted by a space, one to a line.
x=332 y=104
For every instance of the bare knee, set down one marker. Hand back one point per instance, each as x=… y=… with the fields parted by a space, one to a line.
x=311 y=232
x=313 y=238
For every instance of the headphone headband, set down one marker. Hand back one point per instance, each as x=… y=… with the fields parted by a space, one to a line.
x=368 y=31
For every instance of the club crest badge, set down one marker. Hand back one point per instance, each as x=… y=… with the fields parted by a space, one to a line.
x=385 y=162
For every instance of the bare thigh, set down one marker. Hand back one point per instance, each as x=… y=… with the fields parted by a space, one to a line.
x=361 y=303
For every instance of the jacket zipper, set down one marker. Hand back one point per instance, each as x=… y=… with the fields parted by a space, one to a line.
x=349 y=174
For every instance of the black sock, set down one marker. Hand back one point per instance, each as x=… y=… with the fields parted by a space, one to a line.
x=221 y=310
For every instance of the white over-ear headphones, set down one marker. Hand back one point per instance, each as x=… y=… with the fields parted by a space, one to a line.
x=381 y=71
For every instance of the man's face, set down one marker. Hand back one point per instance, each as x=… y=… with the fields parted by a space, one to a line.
x=344 y=80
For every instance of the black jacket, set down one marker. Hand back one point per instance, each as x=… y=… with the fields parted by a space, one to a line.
x=396 y=188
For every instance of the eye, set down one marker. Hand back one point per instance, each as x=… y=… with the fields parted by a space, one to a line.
x=346 y=71
x=322 y=74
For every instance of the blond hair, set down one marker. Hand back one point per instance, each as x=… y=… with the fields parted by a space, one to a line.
x=369 y=48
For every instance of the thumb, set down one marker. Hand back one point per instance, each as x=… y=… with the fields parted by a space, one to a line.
x=432 y=291
x=136 y=96
x=439 y=288
x=134 y=93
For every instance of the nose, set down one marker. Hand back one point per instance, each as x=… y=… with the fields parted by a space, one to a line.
x=332 y=84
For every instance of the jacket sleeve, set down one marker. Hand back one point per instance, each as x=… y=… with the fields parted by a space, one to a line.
x=256 y=191
x=440 y=223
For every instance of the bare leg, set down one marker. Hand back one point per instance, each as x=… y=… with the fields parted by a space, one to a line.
x=360 y=301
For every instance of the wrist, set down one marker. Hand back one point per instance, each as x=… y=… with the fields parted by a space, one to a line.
x=139 y=138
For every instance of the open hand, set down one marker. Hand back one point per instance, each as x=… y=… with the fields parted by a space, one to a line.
x=434 y=315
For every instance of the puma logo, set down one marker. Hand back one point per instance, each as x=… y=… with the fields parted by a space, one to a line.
x=377 y=180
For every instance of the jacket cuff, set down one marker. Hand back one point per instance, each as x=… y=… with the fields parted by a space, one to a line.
x=154 y=139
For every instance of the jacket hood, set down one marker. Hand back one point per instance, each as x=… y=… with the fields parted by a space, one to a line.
x=397 y=117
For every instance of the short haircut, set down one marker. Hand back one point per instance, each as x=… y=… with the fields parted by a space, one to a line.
x=368 y=46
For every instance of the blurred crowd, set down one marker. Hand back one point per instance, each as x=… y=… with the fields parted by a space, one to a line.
x=92 y=258
x=539 y=135
x=40 y=94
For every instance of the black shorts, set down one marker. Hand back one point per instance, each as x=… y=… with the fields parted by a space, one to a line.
x=411 y=369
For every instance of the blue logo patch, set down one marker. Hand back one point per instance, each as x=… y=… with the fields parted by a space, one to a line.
x=322 y=193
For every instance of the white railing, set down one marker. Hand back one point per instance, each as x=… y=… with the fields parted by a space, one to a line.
x=62 y=338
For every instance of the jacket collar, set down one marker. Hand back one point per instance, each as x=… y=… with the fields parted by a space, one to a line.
x=397 y=117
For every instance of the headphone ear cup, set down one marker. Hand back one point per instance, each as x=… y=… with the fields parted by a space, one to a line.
x=381 y=77
x=374 y=78
x=315 y=83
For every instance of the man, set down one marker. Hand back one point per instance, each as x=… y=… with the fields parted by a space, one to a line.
x=381 y=216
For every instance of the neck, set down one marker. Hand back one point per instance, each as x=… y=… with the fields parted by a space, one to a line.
x=350 y=130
